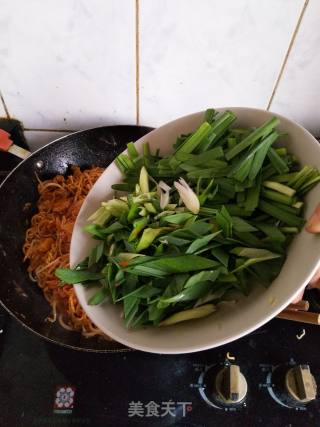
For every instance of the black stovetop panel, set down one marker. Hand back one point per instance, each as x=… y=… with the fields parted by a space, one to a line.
x=108 y=386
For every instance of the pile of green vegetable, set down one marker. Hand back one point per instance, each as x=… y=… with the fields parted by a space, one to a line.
x=187 y=230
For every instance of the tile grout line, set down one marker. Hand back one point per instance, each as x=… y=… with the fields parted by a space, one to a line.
x=5 y=106
x=137 y=59
x=293 y=37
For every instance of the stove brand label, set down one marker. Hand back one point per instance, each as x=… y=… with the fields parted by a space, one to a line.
x=161 y=409
x=64 y=399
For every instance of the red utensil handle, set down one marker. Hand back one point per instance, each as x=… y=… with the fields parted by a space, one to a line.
x=5 y=141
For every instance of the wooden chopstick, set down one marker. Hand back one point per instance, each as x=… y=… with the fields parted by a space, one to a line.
x=300 y=316
x=302 y=305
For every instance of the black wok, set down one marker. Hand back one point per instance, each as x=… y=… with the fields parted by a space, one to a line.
x=20 y=297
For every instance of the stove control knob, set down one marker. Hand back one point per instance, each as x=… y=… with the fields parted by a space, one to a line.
x=300 y=384
x=230 y=385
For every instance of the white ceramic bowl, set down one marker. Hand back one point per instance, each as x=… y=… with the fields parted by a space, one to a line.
x=228 y=323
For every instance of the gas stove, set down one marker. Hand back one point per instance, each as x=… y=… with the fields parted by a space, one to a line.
x=267 y=378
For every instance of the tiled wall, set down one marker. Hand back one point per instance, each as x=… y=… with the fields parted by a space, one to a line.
x=69 y=65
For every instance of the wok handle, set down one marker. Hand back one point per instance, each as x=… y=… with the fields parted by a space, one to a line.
x=7 y=145
x=18 y=151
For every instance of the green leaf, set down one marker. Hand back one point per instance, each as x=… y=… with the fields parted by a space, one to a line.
x=250 y=163
x=144 y=180
x=290 y=230
x=224 y=219
x=267 y=271
x=260 y=155
x=232 y=142
x=138 y=226
x=309 y=185
x=124 y=163
x=255 y=255
x=172 y=240
x=164 y=266
x=100 y=216
x=76 y=276
x=123 y=186
x=243 y=285
x=277 y=162
x=203 y=158
x=191 y=143
x=203 y=276
x=242 y=173
x=227 y=278
x=280 y=213
x=132 y=151
x=95 y=254
x=209 y=115
x=95 y=230
x=140 y=319
x=99 y=296
x=189 y=232
x=179 y=218
x=237 y=210
x=199 y=228
x=212 y=165
x=277 y=197
x=253 y=195
x=83 y=265
x=147 y=271
x=141 y=259
x=109 y=274
x=241 y=225
x=299 y=178
x=144 y=291
x=133 y=212
x=273 y=232
x=248 y=238
x=175 y=286
x=254 y=136
x=218 y=128
x=220 y=255
x=156 y=314
x=208 y=248
x=121 y=235
x=116 y=226
x=187 y=294
x=148 y=236
x=205 y=193
x=113 y=207
x=284 y=177
x=130 y=308
x=206 y=173
x=201 y=242
x=281 y=188
x=192 y=313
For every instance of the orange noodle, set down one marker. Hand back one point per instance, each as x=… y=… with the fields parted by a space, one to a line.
x=47 y=245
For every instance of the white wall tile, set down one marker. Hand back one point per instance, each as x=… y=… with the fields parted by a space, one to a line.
x=298 y=94
x=37 y=139
x=68 y=64
x=195 y=54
